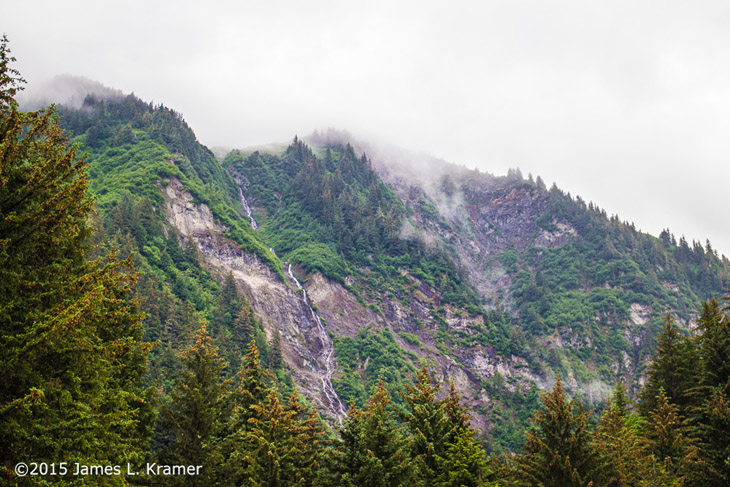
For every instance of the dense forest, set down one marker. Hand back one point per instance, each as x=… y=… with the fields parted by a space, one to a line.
x=123 y=354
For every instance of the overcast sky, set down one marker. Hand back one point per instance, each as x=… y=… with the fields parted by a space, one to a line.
x=626 y=103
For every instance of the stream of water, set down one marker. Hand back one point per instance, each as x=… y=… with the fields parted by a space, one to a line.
x=327 y=356
x=247 y=209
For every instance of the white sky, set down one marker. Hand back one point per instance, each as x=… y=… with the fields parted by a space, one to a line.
x=626 y=103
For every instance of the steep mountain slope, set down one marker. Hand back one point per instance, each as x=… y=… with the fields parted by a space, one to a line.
x=497 y=282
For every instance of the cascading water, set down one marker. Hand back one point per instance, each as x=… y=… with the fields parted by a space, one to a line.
x=247 y=209
x=328 y=352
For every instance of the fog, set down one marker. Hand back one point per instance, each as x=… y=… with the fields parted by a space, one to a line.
x=625 y=103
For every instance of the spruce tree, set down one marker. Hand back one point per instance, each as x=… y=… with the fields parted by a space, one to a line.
x=281 y=446
x=558 y=451
x=463 y=463
x=427 y=425
x=670 y=446
x=373 y=451
x=673 y=369
x=71 y=355
x=198 y=411
x=619 y=443
x=443 y=444
x=712 y=414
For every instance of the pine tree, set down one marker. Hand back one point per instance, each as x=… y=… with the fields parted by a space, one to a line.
x=70 y=335
x=669 y=444
x=374 y=451
x=673 y=369
x=712 y=414
x=559 y=452
x=198 y=411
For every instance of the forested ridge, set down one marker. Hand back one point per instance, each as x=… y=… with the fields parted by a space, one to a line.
x=121 y=346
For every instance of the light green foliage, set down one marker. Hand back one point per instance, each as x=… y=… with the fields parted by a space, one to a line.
x=332 y=214
x=372 y=356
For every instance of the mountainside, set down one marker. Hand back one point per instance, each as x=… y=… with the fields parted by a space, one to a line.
x=348 y=265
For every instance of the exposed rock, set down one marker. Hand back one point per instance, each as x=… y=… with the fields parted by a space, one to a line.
x=278 y=306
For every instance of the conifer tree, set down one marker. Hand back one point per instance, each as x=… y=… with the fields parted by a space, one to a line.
x=427 y=425
x=374 y=451
x=712 y=415
x=442 y=440
x=280 y=448
x=559 y=451
x=619 y=443
x=198 y=410
x=463 y=463
x=250 y=390
x=669 y=444
x=673 y=369
x=71 y=355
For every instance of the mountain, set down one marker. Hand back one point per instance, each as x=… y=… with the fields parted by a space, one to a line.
x=349 y=263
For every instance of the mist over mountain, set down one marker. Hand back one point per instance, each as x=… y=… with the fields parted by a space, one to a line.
x=67 y=90
x=361 y=260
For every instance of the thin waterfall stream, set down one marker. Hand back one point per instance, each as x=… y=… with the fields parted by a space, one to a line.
x=247 y=209
x=327 y=355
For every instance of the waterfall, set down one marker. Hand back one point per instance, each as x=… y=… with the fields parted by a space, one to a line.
x=328 y=352
x=247 y=209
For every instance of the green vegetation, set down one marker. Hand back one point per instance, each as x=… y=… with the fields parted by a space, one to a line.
x=117 y=345
x=372 y=356
x=71 y=353
x=334 y=215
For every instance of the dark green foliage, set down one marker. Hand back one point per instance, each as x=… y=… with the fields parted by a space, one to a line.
x=443 y=444
x=712 y=397
x=197 y=412
x=673 y=370
x=596 y=276
x=559 y=451
x=463 y=463
x=374 y=449
x=620 y=444
x=71 y=354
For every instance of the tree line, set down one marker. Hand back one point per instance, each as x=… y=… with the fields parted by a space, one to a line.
x=73 y=361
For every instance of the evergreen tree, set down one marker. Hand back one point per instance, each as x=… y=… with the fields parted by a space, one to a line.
x=442 y=440
x=669 y=444
x=619 y=442
x=712 y=415
x=373 y=451
x=71 y=355
x=276 y=361
x=250 y=391
x=427 y=425
x=559 y=451
x=673 y=369
x=280 y=448
x=463 y=463
x=198 y=411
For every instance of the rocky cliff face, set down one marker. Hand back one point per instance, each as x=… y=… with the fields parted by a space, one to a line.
x=281 y=308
